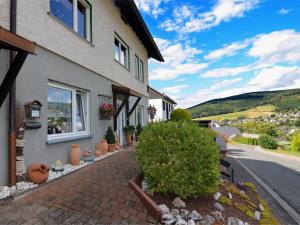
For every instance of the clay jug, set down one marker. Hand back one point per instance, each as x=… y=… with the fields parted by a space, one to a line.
x=117 y=145
x=129 y=139
x=111 y=147
x=75 y=155
x=98 y=150
x=104 y=146
x=37 y=173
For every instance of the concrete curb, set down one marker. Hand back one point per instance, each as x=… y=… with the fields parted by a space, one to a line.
x=290 y=211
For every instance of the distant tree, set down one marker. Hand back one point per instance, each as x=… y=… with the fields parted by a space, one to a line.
x=297 y=123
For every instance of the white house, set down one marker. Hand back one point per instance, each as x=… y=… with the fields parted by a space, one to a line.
x=163 y=104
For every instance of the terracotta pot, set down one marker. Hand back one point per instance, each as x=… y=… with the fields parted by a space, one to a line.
x=104 y=146
x=37 y=173
x=111 y=147
x=98 y=150
x=129 y=139
x=117 y=144
x=75 y=155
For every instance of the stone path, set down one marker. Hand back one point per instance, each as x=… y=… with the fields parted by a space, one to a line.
x=97 y=194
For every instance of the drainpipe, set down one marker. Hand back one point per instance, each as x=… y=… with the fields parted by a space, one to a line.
x=12 y=134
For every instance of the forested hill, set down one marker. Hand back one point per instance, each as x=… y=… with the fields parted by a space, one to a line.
x=285 y=100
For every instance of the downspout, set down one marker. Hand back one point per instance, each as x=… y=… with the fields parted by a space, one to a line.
x=12 y=135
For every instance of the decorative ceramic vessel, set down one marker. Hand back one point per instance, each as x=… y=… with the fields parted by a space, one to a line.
x=129 y=139
x=86 y=153
x=98 y=152
x=117 y=144
x=37 y=173
x=75 y=155
x=111 y=147
x=104 y=146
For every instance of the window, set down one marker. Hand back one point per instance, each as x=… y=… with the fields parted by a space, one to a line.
x=76 y=14
x=67 y=111
x=164 y=105
x=122 y=53
x=139 y=68
x=139 y=115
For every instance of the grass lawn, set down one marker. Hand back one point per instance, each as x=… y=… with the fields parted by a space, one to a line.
x=265 y=110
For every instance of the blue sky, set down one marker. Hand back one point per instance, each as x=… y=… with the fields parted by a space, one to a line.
x=219 y=48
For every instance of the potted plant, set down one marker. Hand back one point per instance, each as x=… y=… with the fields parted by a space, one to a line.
x=20 y=142
x=129 y=131
x=106 y=111
x=139 y=130
x=152 y=112
x=110 y=138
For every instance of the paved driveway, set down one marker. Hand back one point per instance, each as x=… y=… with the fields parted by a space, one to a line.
x=98 y=194
x=282 y=175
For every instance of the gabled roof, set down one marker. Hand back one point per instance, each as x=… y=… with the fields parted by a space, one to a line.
x=154 y=94
x=131 y=15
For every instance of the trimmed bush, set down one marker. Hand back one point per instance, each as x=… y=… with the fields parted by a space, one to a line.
x=110 y=137
x=181 y=114
x=266 y=141
x=179 y=158
x=295 y=146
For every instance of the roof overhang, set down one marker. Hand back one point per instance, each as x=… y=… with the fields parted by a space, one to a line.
x=14 y=42
x=131 y=15
x=162 y=95
x=125 y=91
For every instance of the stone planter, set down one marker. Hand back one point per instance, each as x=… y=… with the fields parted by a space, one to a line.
x=38 y=173
x=111 y=147
x=75 y=155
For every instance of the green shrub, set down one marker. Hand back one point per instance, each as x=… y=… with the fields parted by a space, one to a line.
x=130 y=129
x=245 y=140
x=266 y=141
x=139 y=129
x=179 y=158
x=110 y=137
x=181 y=114
x=295 y=146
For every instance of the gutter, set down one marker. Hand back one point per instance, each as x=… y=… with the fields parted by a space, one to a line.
x=12 y=134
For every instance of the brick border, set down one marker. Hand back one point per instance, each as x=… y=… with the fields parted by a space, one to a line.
x=152 y=207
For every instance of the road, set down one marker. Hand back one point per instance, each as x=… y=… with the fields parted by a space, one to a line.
x=281 y=174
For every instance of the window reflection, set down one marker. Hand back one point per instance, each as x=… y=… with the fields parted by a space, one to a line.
x=63 y=10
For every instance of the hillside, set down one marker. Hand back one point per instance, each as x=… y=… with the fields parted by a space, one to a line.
x=283 y=101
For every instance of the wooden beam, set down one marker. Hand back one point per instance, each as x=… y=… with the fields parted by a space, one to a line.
x=16 y=41
x=11 y=75
x=135 y=105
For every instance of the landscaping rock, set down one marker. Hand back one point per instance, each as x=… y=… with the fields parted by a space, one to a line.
x=229 y=195
x=219 y=207
x=191 y=222
x=168 y=219
x=261 y=207
x=257 y=215
x=144 y=186
x=174 y=212
x=164 y=209
x=180 y=221
x=184 y=214
x=4 y=192
x=242 y=192
x=178 y=203
x=234 y=221
x=218 y=215
x=207 y=220
x=194 y=215
x=217 y=196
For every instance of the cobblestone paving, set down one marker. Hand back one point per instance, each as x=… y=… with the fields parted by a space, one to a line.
x=98 y=194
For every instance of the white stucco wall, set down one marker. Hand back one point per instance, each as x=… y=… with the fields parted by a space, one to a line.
x=35 y=23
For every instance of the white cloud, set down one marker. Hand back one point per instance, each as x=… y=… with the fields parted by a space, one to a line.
x=268 y=79
x=226 y=71
x=179 y=60
x=174 y=89
x=222 y=11
x=152 y=7
x=278 y=46
x=284 y=11
x=226 y=83
x=228 y=50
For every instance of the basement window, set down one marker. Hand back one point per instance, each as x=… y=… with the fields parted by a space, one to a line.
x=76 y=14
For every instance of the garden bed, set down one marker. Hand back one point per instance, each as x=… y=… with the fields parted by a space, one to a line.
x=243 y=205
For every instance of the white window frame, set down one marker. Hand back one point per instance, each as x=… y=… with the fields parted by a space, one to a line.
x=87 y=19
x=139 y=69
x=86 y=113
x=126 y=59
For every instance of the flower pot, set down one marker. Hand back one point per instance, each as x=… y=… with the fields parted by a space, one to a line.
x=103 y=146
x=37 y=173
x=129 y=139
x=75 y=155
x=117 y=144
x=111 y=147
x=98 y=152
